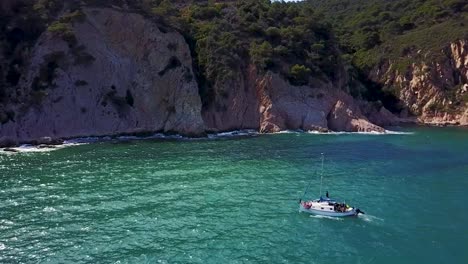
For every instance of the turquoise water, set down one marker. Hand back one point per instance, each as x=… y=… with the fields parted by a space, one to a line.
x=235 y=200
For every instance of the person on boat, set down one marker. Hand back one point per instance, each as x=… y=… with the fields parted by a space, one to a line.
x=327 y=195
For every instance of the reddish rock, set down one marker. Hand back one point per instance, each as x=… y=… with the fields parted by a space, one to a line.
x=431 y=90
x=344 y=118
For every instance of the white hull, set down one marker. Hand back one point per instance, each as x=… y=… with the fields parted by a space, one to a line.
x=349 y=212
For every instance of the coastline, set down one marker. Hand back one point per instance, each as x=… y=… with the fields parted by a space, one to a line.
x=76 y=141
x=59 y=143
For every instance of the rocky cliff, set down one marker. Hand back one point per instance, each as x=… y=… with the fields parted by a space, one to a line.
x=269 y=103
x=115 y=72
x=434 y=88
x=119 y=74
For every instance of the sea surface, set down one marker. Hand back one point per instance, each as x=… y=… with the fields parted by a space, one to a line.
x=235 y=200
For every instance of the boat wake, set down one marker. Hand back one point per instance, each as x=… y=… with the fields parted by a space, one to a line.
x=327 y=217
x=370 y=218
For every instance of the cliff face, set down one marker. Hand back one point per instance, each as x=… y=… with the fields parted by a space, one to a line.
x=269 y=103
x=121 y=75
x=435 y=91
x=118 y=72
x=238 y=107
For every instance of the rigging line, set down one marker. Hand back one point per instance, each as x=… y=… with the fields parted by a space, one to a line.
x=321 y=177
x=308 y=186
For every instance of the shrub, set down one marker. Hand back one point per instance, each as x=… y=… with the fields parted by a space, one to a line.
x=299 y=75
x=64 y=31
x=261 y=54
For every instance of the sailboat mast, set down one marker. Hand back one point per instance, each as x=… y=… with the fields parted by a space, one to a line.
x=321 y=177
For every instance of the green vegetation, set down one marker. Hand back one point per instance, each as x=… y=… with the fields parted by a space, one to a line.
x=403 y=32
x=303 y=41
x=278 y=37
x=299 y=74
x=373 y=31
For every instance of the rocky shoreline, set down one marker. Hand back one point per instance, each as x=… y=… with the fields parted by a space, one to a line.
x=147 y=84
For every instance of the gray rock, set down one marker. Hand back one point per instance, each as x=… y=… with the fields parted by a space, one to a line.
x=123 y=76
x=7 y=142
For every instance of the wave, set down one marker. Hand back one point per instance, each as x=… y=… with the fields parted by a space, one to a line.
x=235 y=133
x=27 y=148
x=299 y=131
x=33 y=149
x=49 y=210
x=86 y=140
x=372 y=133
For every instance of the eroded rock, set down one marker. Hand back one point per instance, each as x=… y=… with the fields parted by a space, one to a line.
x=123 y=75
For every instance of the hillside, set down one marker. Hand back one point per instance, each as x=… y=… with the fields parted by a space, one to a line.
x=99 y=67
x=412 y=55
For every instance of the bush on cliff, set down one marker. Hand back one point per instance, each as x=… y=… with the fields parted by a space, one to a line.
x=299 y=75
x=295 y=39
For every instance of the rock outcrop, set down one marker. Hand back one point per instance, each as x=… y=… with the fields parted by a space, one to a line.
x=238 y=107
x=123 y=74
x=269 y=103
x=345 y=118
x=435 y=91
x=284 y=106
x=119 y=73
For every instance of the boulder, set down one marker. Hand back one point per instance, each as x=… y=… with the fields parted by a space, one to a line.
x=343 y=118
x=7 y=142
x=48 y=141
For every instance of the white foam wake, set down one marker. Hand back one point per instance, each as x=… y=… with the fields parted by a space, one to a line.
x=370 y=218
x=327 y=217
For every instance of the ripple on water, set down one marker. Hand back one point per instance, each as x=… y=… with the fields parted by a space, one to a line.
x=206 y=201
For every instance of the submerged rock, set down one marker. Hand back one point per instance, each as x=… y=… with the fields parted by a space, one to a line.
x=11 y=150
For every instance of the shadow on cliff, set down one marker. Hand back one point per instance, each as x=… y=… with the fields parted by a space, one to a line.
x=376 y=92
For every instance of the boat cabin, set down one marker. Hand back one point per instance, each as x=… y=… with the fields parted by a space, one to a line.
x=327 y=205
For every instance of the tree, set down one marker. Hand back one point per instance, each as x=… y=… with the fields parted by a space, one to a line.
x=261 y=54
x=299 y=74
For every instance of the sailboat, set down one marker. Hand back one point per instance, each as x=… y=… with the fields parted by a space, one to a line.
x=325 y=205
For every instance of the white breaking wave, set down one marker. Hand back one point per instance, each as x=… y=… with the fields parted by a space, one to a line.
x=372 y=133
x=49 y=209
x=89 y=140
x=289 y=132
x=86 y=140
x=235 y=133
